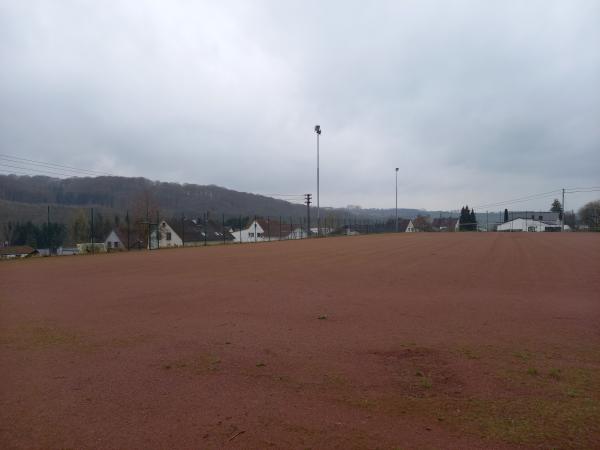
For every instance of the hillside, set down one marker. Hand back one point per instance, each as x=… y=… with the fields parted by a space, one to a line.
x=24 y=198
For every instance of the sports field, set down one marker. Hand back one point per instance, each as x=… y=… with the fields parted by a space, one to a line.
x=427 y=340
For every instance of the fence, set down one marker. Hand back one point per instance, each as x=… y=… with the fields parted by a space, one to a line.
x=96 y=230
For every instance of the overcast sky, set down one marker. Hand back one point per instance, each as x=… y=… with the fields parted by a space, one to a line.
x=475 y=101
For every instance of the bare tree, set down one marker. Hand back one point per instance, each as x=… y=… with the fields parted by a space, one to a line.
x=590 y=215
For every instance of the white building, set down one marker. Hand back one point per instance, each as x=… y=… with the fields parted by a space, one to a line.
x=529 y=225
x=261 y=230
x=114 y=241
x=168 y=237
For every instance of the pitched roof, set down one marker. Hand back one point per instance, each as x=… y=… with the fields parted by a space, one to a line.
x=122 y=236
x=272 y=227
x=17 y=250
x=448 y=222
x=197 y=230
x=403 y=224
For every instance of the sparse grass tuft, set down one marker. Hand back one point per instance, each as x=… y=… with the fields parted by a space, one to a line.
x=524 y=355
x=41 y=337
x=469 y=353
x=426 y=383
x=198 y=365
x=532 y=371
x=555 y=374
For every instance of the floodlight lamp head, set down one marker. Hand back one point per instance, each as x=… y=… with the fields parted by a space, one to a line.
x=397 y=169
x=318 y=129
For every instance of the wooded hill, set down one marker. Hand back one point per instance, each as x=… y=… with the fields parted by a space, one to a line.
x=25 y=198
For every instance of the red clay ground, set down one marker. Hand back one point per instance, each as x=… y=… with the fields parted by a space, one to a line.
x=393 y=341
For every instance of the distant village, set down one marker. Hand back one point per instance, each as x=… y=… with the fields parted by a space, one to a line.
x=206 y=231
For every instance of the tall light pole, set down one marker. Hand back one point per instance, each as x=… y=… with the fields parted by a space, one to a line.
x=396 y=199
x=318 y=131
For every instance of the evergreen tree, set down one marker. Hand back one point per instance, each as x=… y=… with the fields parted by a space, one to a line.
x=472 y=221
x=557 y=207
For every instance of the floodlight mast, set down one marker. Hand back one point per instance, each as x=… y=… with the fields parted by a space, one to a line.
x=318 y=131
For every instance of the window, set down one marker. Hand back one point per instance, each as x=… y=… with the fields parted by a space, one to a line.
x=168 y=235
x=260 y=235
x=115 y=244
x=250 y=234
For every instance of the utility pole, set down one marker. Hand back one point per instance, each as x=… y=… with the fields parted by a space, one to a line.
x=307 y=198
x=562 y=216
x=318 y=131
x=397 y=199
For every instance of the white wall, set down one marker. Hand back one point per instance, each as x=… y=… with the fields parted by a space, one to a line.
x=523 y=225
x=166 y=232
x=251 y=234
x=113 y=241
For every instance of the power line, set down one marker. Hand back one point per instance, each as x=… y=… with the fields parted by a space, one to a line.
x=50 y=165
x=38 y=171
x=520 y=199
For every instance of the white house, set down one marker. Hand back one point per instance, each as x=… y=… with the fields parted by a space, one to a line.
x=530 y=225
x=114 y=241
x=261 y=230
x=168 y=237
x=410 y=228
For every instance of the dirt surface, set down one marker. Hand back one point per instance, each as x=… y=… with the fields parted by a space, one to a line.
x=447 y=340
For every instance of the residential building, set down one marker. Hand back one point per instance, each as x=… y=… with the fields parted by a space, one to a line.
x=167 y=237
x=17 y=251
x=260 y=230
x=444 y=223
x=529 y=225
x=198 y=231
x=115 y=241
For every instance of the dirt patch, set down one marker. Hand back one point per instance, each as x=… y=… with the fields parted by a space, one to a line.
x=434 y=340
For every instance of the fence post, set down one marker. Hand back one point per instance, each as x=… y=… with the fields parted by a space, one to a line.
x=182 y=230
x=127 y=219
x=157 y=230
x=205 y=227
x=92 y=229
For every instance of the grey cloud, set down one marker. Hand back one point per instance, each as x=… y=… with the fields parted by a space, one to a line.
x=475 y=101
